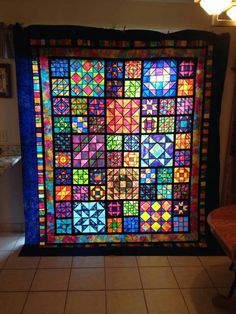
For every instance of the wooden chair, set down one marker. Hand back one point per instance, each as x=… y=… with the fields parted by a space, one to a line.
x=222 y=222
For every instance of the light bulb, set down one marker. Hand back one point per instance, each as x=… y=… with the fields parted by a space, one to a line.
x=232 y=13
x=214 y=7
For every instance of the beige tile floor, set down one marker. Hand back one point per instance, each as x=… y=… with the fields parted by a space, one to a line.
x=109 y=285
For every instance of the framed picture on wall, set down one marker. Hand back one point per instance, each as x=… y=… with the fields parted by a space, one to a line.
x=5 y=80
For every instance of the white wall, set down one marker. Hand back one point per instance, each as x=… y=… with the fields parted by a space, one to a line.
x=146 y=14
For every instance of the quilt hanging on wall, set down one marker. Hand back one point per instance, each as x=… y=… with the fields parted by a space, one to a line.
x=119 y=134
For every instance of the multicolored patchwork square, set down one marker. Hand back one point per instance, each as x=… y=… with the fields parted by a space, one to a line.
x=182 y=158
x=133 y=69
x=87 y=78
x=164 y=191
x=167 y=106
x=63 y=226
x=157 y=150
x=79 y=125
x=59 y=67
x=147 y=192
x=131 y=159
x=159 y=78
x=61 y=106
x=149 y=107
x=181 y=191
x=80 y=176
x=130 y=208
x=79 y=106
x=97 y=192
x=89 y=151
x=181 y=208
x=61 y=124
x=132 y=88
x=114 y=159
x=60 y=87
x=62 y=159
x=114 y=142
x=63 y=209
x=80 y=193
x=97 y=176
x=164 y=175
x=96 y=124
x=89 y=217
x=96 y=106
x=183 y=141
x=166 y=124
x=131 y=224
x=185 y=87
x=181 y=224
x=114 y=88
x=123 y=184
x=114 y=69
x=181 y=175
x=63 y=193
x=131 y=142
x=155 y=216
x=62 y=142
x=186 y=68
x=114 y=209
x=114 y=225
x=63 y=176
x=148 y=175
x=123 y=115
x=149 y=125
x=184 y=105
x=183 y=123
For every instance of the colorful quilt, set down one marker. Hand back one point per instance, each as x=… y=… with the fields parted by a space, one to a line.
x=121 y=133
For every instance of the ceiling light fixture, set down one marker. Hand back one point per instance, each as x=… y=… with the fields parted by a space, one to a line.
x=223 y=11
x=214 y=6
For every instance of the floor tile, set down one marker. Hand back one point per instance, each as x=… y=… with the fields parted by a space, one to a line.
x=152 y=261
x=51 y=279
x=87 y=279
x=215 y=260
x=7 y=243
x=88 y=261
x=157 y=277
x=45 y=302
x=221 y=276
x=192 y=277
x=86 y=302
x=16 y=280
x=120 y=261
x=165 y=301
x=126 y=302
x=21 y=262
x=199 y=301
x=3 y=257
x=55 y=262
x=12 y=302
x=122 y=278
x=184 y=261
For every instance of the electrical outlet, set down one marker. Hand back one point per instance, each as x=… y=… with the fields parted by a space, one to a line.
x=3 y=137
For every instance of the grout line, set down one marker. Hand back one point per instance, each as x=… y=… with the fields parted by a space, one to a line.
x=105 y=283
x=67 y=291
x=180 y=289
x=144 y=296
x=29 y=290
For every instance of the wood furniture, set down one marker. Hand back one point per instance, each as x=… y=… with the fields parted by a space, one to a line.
x=222 y=222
